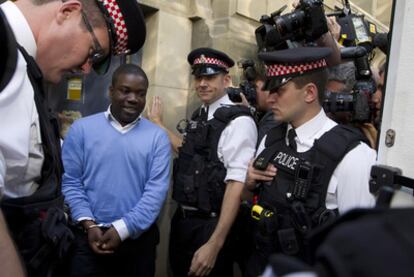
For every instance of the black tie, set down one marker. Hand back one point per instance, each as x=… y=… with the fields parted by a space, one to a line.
x=204 y=114
x=291 y=139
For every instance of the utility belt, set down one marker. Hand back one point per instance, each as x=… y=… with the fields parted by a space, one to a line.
x=40 y=231
x=14 y=210
x=190 y=213
x=286 y=231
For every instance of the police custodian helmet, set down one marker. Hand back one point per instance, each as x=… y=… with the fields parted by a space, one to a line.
x=284 y=65
x=208 y=61
x=126 y=28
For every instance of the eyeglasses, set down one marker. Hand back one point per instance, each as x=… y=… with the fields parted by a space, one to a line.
x=98 y=53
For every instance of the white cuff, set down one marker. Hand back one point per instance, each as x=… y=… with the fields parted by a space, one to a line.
x=84 y=218
x=121 y=228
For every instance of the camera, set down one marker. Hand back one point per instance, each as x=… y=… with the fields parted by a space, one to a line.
x=356 y=30
x=358 y=100
x=247 y=86
x=307 y=22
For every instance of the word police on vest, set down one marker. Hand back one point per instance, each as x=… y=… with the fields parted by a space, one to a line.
x=286 y=160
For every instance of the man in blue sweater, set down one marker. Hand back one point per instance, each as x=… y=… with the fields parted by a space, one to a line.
x=115 y=182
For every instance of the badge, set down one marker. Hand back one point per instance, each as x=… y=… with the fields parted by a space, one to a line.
x=203 y=59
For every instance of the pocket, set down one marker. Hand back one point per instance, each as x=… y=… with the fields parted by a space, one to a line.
x=184 y=190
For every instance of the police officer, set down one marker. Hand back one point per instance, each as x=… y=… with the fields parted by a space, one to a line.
x=208 y=173
x=308 y=169
x=8 y=58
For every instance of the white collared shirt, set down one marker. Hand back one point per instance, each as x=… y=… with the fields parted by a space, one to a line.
x=348 y=187
x=237 y=142
x=118 y=126
x=21 y=152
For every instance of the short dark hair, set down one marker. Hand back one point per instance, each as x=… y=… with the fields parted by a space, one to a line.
x=319 y=78
x=90 y=7
x=128 y=68
x=343 y=73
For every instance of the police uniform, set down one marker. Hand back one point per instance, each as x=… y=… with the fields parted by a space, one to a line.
x=30 y=165
x=217 y=148
x=322 y=167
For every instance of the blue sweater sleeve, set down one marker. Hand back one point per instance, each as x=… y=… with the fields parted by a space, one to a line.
x=146 y=211
x=72 y=187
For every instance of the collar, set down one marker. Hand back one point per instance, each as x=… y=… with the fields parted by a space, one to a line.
x=310 y=128
x=223 y=101
x=21 y=28
x=111 y=118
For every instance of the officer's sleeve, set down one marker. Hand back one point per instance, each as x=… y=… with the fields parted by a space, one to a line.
x=352 y=179
x=237 y=146
x=72 y=187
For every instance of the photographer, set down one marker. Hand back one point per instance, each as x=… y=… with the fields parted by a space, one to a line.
x=378 y=95
x=308 y=169
x=261 y=107
x=341 y=79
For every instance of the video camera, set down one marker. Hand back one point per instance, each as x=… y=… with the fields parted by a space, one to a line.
x=356 y=30
x=307 y=22
x=358 y=100
x=247 y=86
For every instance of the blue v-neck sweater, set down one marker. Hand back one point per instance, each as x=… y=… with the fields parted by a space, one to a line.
x=111 y=176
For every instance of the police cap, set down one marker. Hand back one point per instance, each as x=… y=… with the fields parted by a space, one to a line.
x=126 y=28
x=208 y=61
x=284 y=65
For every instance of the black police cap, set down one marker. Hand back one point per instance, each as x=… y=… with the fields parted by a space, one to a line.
x=284 y=65
x=8 y=52
x=126 y=27
x=208 y=61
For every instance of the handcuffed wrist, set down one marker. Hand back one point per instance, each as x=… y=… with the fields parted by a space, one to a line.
x=93 y=226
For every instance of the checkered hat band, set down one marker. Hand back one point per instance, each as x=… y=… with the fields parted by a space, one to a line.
x=275 y=70
x=121 y=32
x=207 y=60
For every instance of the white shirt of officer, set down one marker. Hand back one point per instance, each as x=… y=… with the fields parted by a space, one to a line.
x=236 y=145
x=21 y=152
x=348 y=187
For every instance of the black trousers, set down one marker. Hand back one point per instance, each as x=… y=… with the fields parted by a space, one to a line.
x=187 y=235
x=132 y=258
x=264 y=247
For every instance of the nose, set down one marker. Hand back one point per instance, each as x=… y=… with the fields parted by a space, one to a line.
x=132 y=98
x=203 y=82
x=271 y=98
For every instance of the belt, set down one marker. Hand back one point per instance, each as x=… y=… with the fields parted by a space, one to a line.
x=187 y=213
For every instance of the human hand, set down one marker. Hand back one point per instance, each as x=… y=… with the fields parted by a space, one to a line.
x=333 y=27
x=110 y=240
x=295 y=4
x=254 y=175
x=204 y=259
x=244 y=101
x=155 y=112
x=95 y=236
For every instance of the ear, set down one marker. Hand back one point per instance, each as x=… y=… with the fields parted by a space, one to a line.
x=311 y=92
x=227 y=80
x=68 y=9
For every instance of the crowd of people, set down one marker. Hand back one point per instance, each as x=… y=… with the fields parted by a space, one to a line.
x=248 y=183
